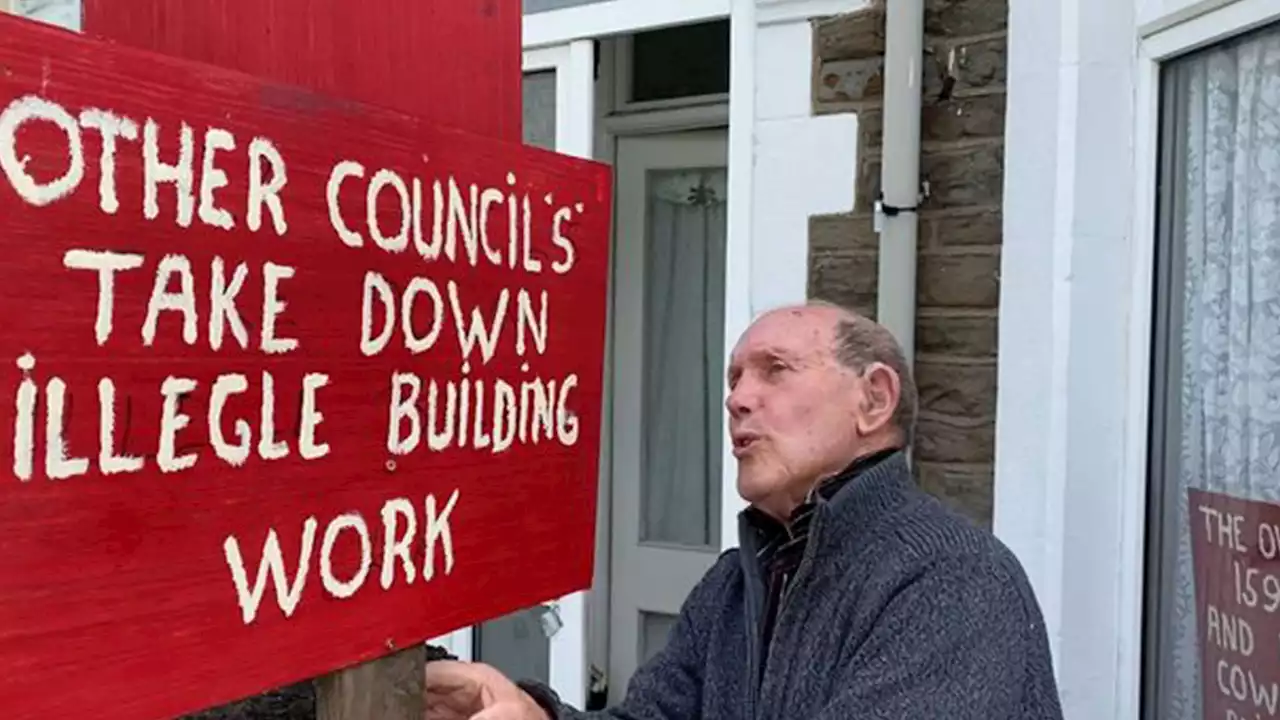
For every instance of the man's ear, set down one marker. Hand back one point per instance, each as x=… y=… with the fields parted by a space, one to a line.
x=881 y=389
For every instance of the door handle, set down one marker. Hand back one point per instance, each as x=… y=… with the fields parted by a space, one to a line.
x=549 y=618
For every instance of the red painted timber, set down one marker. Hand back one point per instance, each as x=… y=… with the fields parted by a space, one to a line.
x=455 y=62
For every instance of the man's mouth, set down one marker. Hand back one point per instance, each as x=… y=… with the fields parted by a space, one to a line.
x=743 y=442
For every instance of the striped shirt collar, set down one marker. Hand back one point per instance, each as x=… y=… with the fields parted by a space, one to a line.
x=776 y=536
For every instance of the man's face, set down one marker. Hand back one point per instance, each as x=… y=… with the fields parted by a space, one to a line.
x=793 y=408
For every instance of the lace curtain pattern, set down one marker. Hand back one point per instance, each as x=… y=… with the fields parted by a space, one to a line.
x=683 y=357
x=1227 y=221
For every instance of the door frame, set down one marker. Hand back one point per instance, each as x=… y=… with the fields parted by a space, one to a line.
x=574 y=66
x=627 y=397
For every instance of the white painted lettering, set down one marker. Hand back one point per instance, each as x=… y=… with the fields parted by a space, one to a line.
x=412 y=341
x=108 y=461
x=268 y=192
x=438 y=532
x=308 y=448
x=24 y=420
x=110 y=126
x=106 y=264
x=156 y=172
x=172 y=421
x=345 y=588
x=404 y=408
x=468 y=337
x=20 y=112
x=565 y=244
x=400 y=241
x=212 y=178
x=396 y=545
x=288 y=594
x=222 y=304
x=341 y=171
x=268 y=447
x=183 y=301
x=58 y=465
x=225 y=386
x=272 y=307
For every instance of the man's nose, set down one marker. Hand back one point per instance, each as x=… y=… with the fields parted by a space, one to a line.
x=736 y=402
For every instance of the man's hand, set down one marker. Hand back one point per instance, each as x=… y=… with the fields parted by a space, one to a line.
x=474 y=691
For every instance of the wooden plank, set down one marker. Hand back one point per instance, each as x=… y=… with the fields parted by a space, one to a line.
x=137 y=506
x=386 y=689
x=457 y=63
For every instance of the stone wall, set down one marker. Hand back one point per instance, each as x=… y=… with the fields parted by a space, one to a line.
x=962 y=154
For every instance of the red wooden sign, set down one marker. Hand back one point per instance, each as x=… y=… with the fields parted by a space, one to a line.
x=293 y=382
x=1235 y=547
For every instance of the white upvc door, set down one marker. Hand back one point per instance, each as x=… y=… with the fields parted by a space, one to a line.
x=550 y=639
x=668 y=380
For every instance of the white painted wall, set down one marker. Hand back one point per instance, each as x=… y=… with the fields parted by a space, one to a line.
x=1075 y=318
x=784 y=166
x=1062 y=415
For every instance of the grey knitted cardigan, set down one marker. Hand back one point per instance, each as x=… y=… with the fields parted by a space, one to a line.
x=900 y=609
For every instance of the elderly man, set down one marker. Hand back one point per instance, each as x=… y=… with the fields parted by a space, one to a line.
x=853 y=594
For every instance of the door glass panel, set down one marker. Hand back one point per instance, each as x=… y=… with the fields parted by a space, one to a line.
x=654 y=630
x=683 y=357
x=516 y=644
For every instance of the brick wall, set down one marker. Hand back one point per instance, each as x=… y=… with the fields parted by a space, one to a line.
x=962 y=153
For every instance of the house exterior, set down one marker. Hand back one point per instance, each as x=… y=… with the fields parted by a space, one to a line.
x=1066 y=209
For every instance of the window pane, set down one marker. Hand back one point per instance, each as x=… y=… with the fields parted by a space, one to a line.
x=677 y=62
x=683 y=357
x=540 y=109
x=1215 y=650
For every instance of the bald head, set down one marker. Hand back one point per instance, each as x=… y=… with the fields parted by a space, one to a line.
x=812 y=388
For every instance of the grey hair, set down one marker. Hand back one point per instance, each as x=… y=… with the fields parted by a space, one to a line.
x=861 y=342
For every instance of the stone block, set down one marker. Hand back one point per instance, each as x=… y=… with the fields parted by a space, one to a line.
x=965 y=68
x=845 y=277
x=867 y=186
x=967 y=488
x=964 y=118
x=870 y=128
x=953 y=439
x=851 y=36
x=848 y=83
x=959 y=279
x=963 y=334
x=960 y=389
x=958 y=18
x=964 y=175
x=966 y=228
x=845 y=231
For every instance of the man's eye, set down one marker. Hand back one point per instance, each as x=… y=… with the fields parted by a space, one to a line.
x=777 y=367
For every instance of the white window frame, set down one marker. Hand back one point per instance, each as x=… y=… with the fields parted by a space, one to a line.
x=1200 y=25
x=1071 y=493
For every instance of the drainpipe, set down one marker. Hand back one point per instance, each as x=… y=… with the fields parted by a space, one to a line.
x=895 y=211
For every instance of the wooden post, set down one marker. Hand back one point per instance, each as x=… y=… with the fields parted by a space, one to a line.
x=455 y=63
x=385 y=689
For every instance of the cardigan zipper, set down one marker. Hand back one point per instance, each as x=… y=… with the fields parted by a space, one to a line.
x=806 y=562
